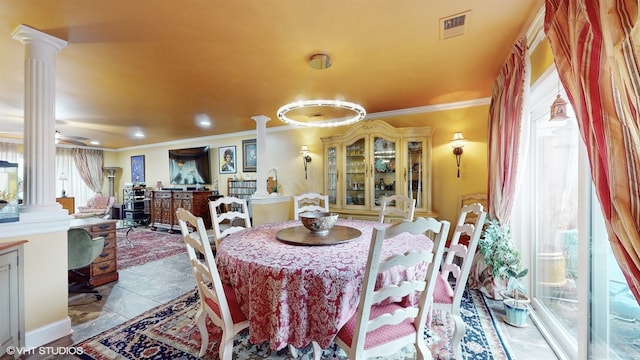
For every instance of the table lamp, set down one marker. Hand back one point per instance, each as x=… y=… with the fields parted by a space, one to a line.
x=63 y=177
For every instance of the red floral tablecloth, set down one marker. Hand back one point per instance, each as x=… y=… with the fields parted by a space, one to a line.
x=298 y=294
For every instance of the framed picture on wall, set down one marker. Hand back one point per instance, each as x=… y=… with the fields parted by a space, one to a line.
x=249 y=155
x=227 y=158
x=137 y=168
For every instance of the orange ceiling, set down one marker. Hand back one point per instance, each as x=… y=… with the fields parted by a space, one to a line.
x=156 y=64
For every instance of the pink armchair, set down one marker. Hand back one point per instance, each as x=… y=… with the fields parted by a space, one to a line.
x=98 y=205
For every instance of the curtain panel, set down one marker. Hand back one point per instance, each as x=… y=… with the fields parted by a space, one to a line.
x=505 y=130
x=89 y=163
x=593 y=47
x=509 y=92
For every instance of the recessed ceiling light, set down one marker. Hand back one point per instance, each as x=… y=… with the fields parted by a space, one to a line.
x=95 y=142
x=203 y=120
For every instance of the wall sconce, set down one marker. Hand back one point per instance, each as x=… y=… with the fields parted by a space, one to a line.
x=304 y=150
x=63 y=177
x=457 y=143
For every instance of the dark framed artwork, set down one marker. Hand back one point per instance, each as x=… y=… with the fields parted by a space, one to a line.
x=227 y=158
x=137 y=168
x=249 y=155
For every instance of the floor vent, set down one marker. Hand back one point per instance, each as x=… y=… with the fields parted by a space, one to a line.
x=453 y=26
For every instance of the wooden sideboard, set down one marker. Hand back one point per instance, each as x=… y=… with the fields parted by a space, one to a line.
x=104 y=269
x=164 y=204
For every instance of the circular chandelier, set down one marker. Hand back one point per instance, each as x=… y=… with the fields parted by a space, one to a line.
x=358 y=112
x=344 y=112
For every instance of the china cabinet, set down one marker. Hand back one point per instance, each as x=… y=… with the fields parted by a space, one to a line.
x=373 y=159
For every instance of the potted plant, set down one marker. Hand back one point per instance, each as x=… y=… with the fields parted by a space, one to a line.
x=499 y=255
x=516 y=302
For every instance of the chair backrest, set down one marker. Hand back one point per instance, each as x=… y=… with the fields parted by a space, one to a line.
x=309 y=202
x=236 y=214
x=398 y=206
x=368 y=319
x=82 y=248
x=204 y=266
x=468 y=199
x=460 y=269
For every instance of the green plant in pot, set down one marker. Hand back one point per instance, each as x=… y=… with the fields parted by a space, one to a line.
x=503 y=262
x=516 y=302
x=498 y=252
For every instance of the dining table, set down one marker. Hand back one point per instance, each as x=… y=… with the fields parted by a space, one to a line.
x=294 y=292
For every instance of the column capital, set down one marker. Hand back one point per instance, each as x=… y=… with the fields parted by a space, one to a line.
x=28 y=35
x=258 y=118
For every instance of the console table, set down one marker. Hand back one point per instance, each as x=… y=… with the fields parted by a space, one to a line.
x=164 y=204
x=104 y=269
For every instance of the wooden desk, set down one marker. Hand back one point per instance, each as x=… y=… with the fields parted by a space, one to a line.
x=68 y=203
x=104 y=268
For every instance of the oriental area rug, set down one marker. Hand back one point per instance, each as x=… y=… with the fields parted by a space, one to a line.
x=140 y=246
x=169 y=332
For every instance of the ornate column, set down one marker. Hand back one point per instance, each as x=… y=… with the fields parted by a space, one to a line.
x=261 y=145
x=265 y=208
x=39 y=115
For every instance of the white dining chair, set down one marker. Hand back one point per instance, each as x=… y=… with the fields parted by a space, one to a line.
x=396 y=206
x=382 y=328
x=309 y=202
x=228 y=215
x=217 y=300
x=447 y=298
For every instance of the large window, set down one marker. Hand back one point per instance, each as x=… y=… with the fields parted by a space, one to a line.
x=578 y=289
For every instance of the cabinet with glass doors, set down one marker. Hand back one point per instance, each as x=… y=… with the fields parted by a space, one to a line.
x=374 y=159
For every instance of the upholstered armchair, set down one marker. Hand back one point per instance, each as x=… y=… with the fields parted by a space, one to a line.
x=98 y=205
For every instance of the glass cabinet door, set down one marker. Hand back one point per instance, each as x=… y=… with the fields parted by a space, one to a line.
x=355 y=171
x=384 y=168
x=415 y=171
x=332 y=174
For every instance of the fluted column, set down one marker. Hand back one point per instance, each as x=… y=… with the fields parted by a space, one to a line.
x=261 y=145
x=39 y=114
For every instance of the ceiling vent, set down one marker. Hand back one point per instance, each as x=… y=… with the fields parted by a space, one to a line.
x=453 y=26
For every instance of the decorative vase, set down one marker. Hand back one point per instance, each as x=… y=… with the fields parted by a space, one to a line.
x=516 y=312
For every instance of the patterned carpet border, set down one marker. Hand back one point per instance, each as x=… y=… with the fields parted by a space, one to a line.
x=168 y=332
x=140 y=246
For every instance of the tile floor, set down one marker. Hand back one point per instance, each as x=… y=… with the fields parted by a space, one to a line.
x=143 y=287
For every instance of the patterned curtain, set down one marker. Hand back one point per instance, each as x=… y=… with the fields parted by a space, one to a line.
x=594 y=51
x=505 y=128
x=89 y=163
x=509 y=92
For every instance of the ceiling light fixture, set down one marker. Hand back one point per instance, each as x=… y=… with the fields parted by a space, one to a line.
x=558 y=109
x=308 y=112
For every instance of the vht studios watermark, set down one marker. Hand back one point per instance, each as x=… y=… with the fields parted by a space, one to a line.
x=44 y=350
